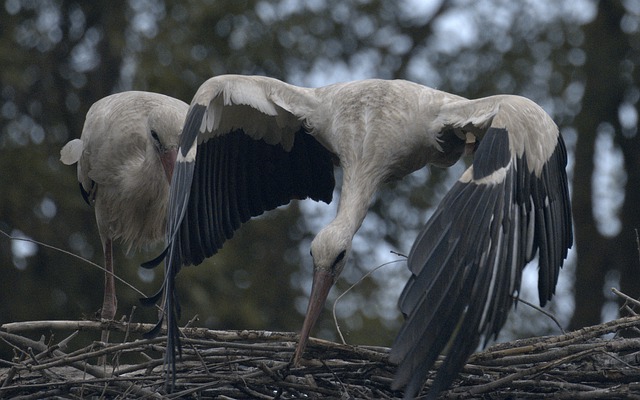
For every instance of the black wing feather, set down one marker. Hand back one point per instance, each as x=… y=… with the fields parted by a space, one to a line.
x=241 y=181
x=551 y=201
x=467 y=262
x=232 y=179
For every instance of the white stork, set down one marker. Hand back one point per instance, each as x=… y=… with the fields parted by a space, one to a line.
x=251 y=144
x=126 y=156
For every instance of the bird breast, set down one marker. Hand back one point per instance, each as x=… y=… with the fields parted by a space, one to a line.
x=135 y=201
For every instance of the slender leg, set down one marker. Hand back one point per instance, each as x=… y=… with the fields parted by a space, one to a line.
x=109 y=302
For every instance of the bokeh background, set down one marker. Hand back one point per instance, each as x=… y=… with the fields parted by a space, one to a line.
x=578 y=59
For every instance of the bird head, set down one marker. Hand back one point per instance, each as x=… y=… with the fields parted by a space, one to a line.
x=329 y=250
x=165 y=125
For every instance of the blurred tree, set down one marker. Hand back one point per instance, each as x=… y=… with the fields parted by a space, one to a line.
x=54 y=66
x=59 y=56
x=608 y=108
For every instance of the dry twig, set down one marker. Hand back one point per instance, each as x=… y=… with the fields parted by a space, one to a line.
x=255 y=364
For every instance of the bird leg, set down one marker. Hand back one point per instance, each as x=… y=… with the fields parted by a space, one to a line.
x=109 y=302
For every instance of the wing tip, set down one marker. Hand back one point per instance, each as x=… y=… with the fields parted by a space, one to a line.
x=155 y=331
x=151 y=264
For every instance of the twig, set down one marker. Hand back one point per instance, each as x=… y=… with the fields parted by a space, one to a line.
x=92 y=370
x=533 y=371
x=543 y=311
x=398 y=254
x=48 y=246
x=26 y=326
x=237 y=364
x=335 y=318
x=625 y=297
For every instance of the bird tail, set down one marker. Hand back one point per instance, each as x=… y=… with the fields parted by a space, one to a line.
x=172 y=255
x=172 y=312
x=71 y=152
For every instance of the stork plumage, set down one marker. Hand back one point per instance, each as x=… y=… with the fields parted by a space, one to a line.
x=126 y=155
x=251 y=143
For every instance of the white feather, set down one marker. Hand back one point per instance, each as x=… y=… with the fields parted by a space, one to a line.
x=71 y=152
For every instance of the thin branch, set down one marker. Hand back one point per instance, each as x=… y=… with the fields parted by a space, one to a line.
x=541 y=310
x=532 y=372
x=236 y=364
x=335 y=303
x=625 y=297
x=48 y=246
x=92 y=370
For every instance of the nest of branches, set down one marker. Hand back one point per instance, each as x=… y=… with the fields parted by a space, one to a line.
x=255 y=364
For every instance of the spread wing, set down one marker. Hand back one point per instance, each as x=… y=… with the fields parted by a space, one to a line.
x=466 y=264
x=244 y=150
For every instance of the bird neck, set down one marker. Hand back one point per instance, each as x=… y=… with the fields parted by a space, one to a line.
x=354 y=203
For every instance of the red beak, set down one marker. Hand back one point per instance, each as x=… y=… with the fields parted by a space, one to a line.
x=168 y=160
x=322 y=283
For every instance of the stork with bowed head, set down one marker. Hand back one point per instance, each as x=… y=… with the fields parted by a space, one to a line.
x=251 y=144
x=126 y=156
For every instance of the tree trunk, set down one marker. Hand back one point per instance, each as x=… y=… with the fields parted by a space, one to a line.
x=605 y=45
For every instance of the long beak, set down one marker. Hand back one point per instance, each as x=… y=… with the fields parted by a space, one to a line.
x=322 y=282
x=168 y=160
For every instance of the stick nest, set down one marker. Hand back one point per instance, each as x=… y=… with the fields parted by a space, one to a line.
x=255 y=364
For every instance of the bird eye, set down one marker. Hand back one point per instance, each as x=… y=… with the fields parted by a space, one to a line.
x=311 y=253
x=154 y=135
